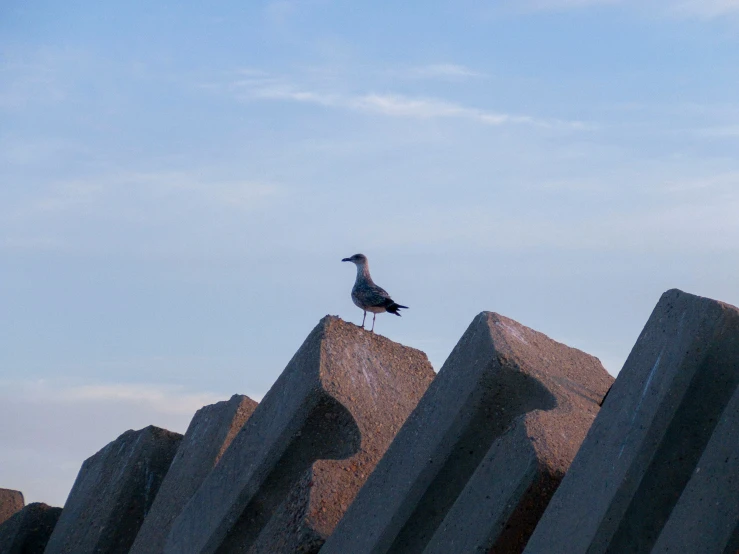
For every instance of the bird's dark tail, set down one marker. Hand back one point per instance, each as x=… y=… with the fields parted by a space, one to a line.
x=394 y=307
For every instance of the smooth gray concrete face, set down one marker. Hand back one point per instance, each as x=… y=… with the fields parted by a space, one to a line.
x=28 y=531
x=297 y=463
x=478 y=458
x=113 y=492
x=646 y=442
x=706 y=518
x=10 y=502
x=208 y=436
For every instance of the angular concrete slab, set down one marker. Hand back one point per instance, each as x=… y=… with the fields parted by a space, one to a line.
x=478 y=459
x=706 y=518
x=208 y=436
x=113 y=492
x=28 y=531
x=653 y=428
x=297 y=463
x=10 y=502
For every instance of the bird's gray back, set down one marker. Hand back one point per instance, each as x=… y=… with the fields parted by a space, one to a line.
x=366 y=294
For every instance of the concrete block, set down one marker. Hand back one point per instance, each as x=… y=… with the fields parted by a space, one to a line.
x=208 y=436
x=650 y=434
x=113 y=492
x=478 y=459
x=10 y=502
x=297 y=463
x=28 y=531
x=706 y=518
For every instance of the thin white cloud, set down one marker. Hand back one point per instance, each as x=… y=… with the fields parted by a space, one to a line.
x=429 y=108
x=164 y=399
x=22 y=91
x=706 y=9
x=31 y=243
x=157 y=189
x=723 y=184
x=64 y=423
x=723 y=131
x=528 y=6
x=692 y=215
x=703 y=9
x=443 y=71
x=37 y=77
x=391 y=105
x=178 y=203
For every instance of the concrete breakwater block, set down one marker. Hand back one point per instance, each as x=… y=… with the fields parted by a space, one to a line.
x=706 y=518
x=647 y=440
x=113 y=492
x=296 y=465
x=208 y=436
x=10 y=502
x=28 y=531
x=478 y=459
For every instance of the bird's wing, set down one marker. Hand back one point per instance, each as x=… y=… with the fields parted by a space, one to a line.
x=374 y=296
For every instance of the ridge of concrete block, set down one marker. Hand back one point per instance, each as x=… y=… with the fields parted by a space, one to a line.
x=10 y=502
x=706 y=518
x=297 y=463
x=650 y=434
x=28 y=531
x=476 y=462
x=207 y=437
x=113 y=492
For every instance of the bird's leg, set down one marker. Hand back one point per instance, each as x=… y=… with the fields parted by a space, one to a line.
x=373 y=323
x=363 y=318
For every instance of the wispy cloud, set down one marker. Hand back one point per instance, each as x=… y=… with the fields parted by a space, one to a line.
x=166 y=399
x=30 y=86
x=62 y=426
x=692 y=215
x=528 y=6
x=27 y=243
x=37 y=77
x=387 y=104
x=704 y=9
x=443 y=71
x=177 y=203
x=722 y=131
x=156 y=187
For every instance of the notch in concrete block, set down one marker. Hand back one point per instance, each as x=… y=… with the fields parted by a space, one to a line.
x=113 y=492
x=477 y=460
x=28 y=531
x=296 y=465
x=208 y=436
x=10 y=502
x=706 y=518
x=645 y=443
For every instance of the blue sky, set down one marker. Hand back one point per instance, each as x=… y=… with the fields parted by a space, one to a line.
x=179 y=182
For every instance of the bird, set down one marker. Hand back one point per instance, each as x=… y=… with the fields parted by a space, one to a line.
x=368 y=296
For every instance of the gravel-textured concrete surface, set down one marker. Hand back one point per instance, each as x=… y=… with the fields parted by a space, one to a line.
x=503 y=500
x=113 y=492
x=476 y=462
x=208 y=436
x=653 y=428
x=295 y=467
x=28 y=531
x=10 y=502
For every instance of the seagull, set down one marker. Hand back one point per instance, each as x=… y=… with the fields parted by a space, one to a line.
x=368 y=296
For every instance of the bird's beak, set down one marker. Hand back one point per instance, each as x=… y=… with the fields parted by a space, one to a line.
x=346 y=260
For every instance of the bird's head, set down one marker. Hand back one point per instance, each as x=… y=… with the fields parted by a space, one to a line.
x=359 y=259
